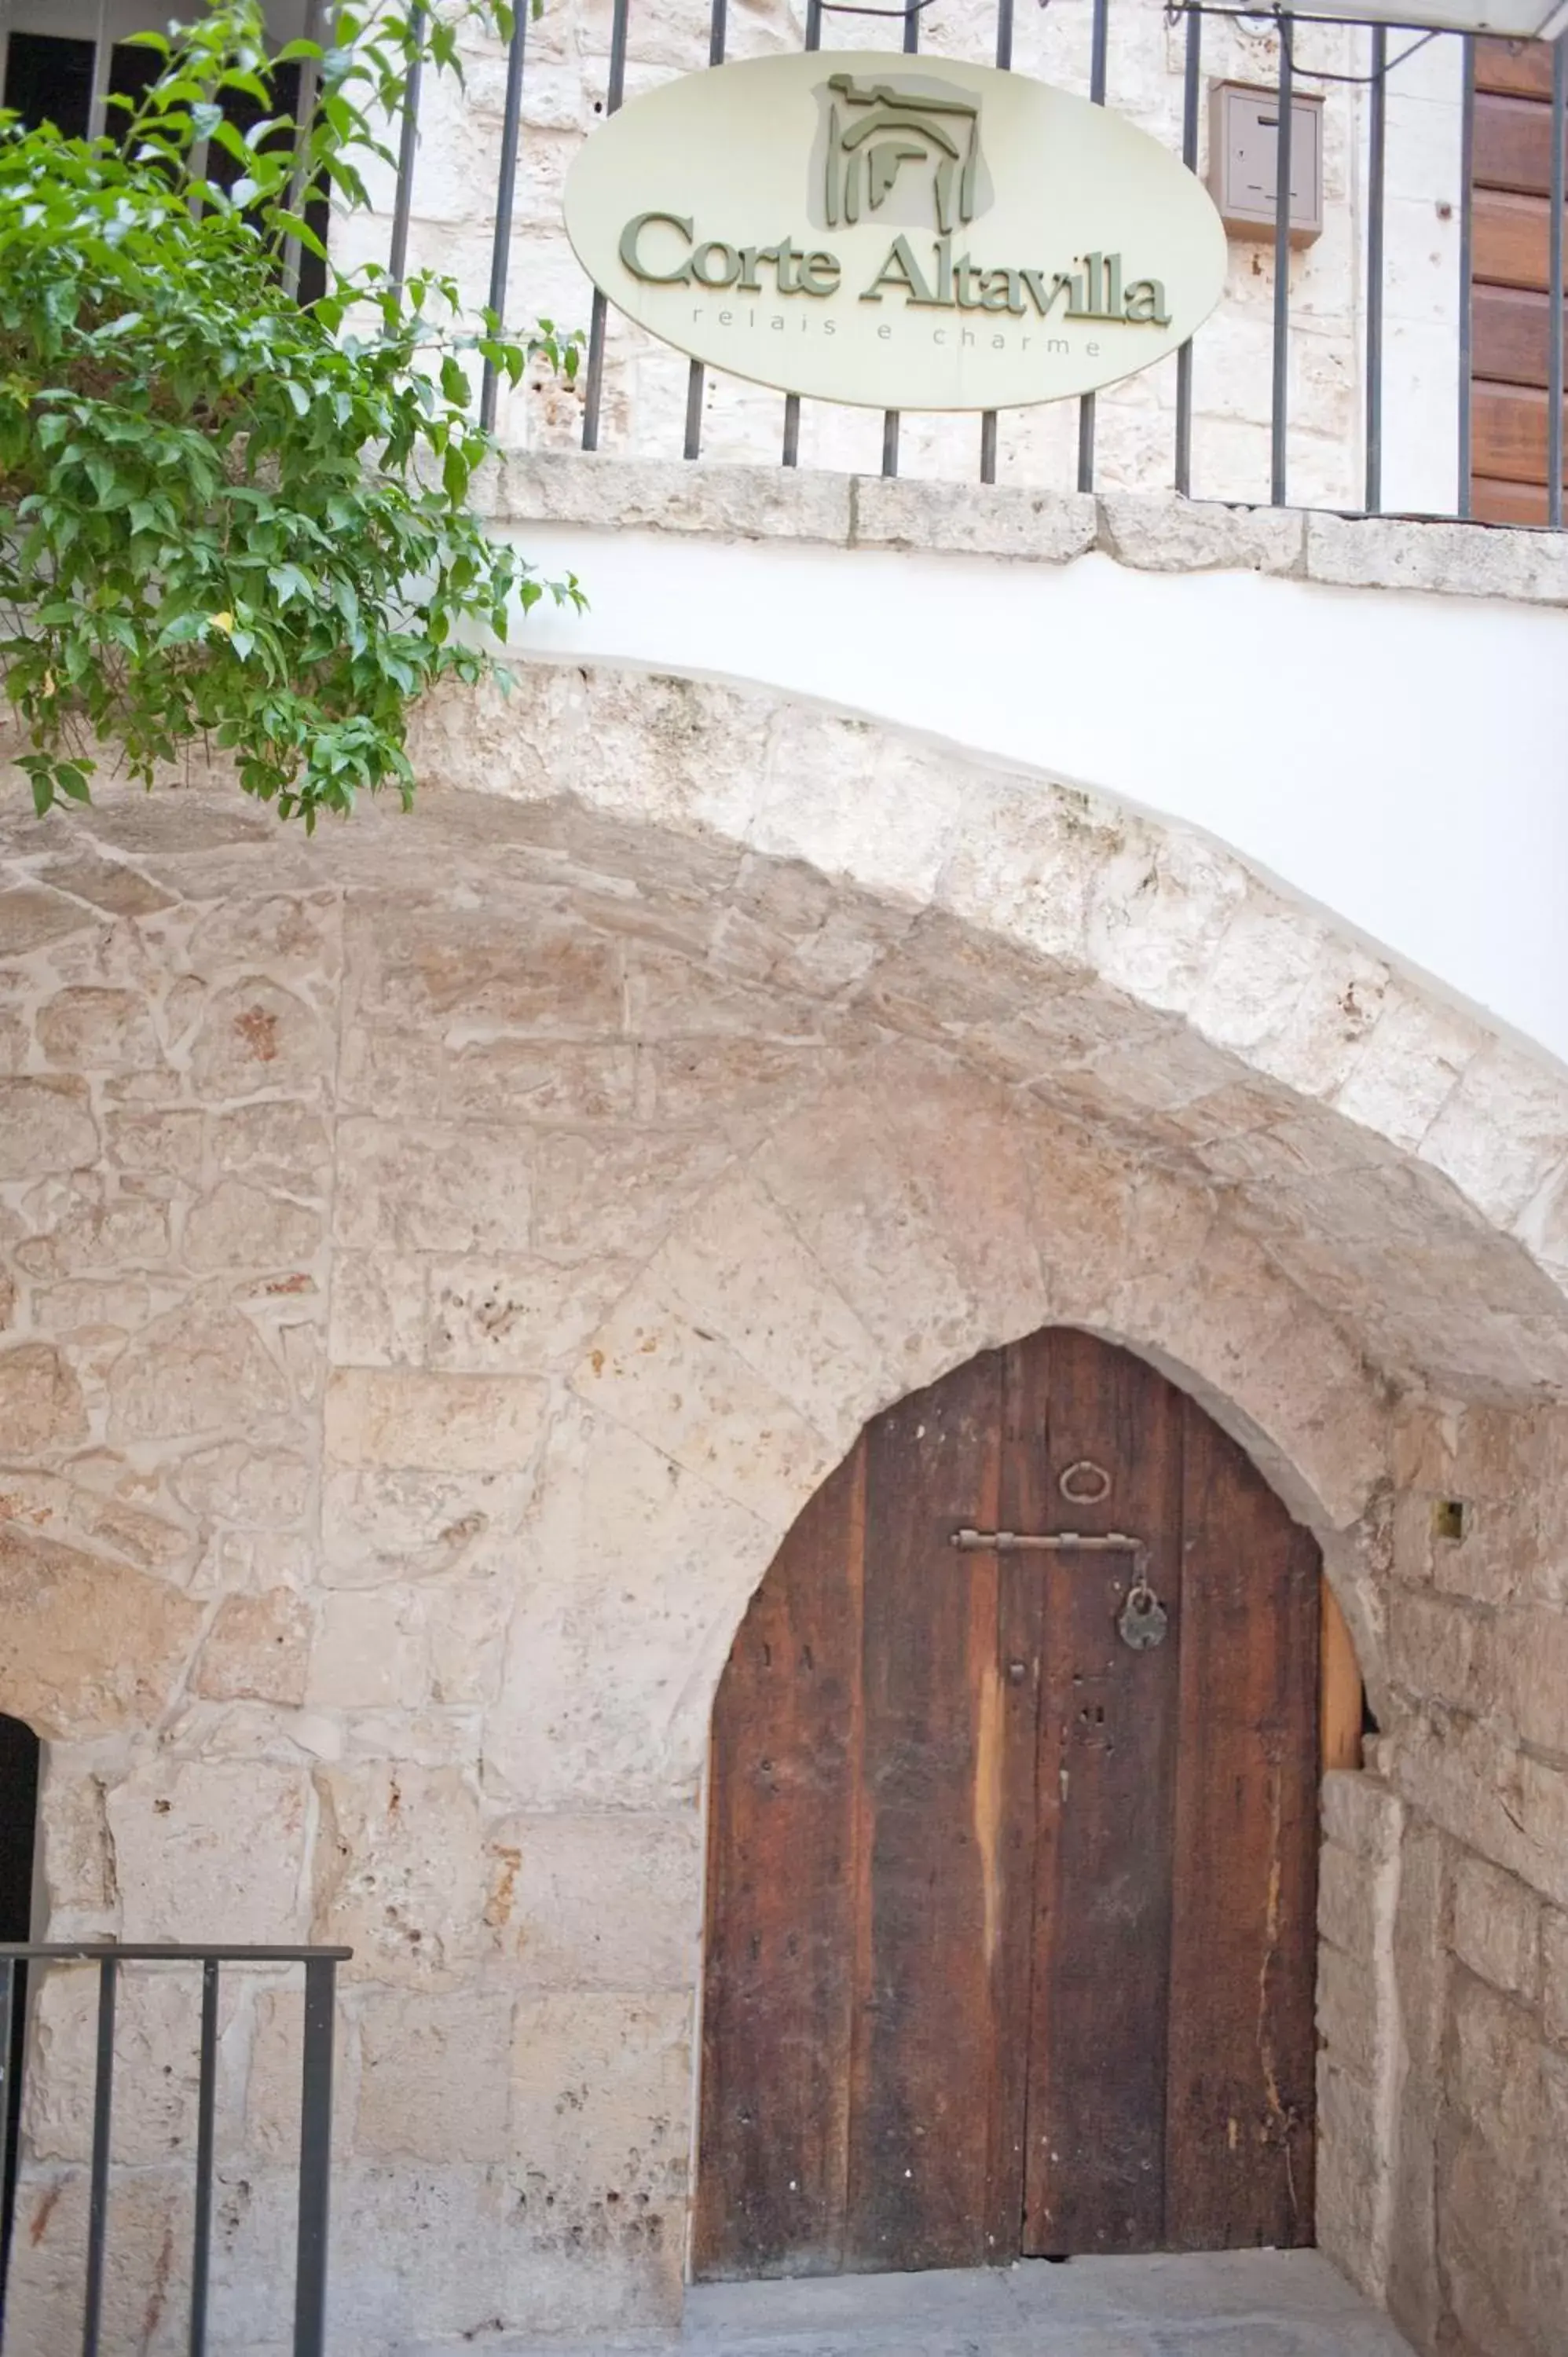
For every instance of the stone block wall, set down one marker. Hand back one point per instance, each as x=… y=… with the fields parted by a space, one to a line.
x=1444 y=1970
x=274 y=1393
x=439 y=1260
x=1359 y=2020
x=1478 y=2211
x=1443 y=2080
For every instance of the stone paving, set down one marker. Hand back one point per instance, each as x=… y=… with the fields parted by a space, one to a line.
x=1222 y=2304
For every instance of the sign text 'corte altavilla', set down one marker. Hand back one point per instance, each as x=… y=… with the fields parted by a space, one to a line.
x=940 y=237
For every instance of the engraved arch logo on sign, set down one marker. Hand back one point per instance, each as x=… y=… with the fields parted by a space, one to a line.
x=874 y=129
x=871 y=229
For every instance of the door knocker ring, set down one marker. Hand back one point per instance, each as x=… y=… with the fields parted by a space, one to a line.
x=1085 y=1483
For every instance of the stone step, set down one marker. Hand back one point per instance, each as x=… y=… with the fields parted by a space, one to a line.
x=1224 y=2304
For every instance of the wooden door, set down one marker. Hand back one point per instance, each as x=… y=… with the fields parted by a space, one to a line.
x=1510 y=307
x=1010 y=1941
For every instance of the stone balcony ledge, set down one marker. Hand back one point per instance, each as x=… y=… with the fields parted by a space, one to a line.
x=1154 y=531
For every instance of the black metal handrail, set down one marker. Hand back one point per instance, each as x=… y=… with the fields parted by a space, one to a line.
x=315 y=2120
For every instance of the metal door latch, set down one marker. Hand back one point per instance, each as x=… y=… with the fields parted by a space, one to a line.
x=970 y=1542
x=1142 y=1620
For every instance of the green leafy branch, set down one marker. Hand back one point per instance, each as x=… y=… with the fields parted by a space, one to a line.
x=225 y=516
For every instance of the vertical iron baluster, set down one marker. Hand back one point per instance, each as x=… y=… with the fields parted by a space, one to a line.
x=988 y=417
x=790 y=454
x=1554 y=288
x=98 y=2181
x=8 y=2091
x=1466 y=225
x=314 y=2158
x=103 y=62
x=1377 y=143
x=791 y=442
x=505 y=196
x=890 y=416
x=1192 y=90
x=297 y=193
x=8 y=2001
x=1097 y=54
x=402 y=205
x=1280 y=403
x=594 y=389
x=206 y=2097
x=696 y=373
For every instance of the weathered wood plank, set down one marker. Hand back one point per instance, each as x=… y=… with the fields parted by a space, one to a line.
x=1340 y=1699
x=1515 y=504
x=1508 y=430
x=1025 y=1506
x=1512 y=336
x=778 y=1992
x=1513 y=146
x=1242 y=2043
x=1511 y=240
x=1514 y=68
x=925 y=2034
x=1108 y=1734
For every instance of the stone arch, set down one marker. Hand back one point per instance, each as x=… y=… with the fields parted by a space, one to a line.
x=1169 y=936
x=861 y=1260
x=886 y=963
x=690 y=1076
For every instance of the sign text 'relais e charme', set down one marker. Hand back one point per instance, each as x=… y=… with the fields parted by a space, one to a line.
x=906 y=234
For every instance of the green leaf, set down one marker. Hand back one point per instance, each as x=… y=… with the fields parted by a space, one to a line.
x=292 y=224
x=230 y=517
x=288 y=582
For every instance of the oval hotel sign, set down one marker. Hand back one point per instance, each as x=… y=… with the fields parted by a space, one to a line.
x=908 y=233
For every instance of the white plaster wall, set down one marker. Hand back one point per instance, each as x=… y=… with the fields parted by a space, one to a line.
x=1396 y=758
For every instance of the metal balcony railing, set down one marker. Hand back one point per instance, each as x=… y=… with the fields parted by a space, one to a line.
x=19 y=1962
x=1383 y=50
x=1412 y=362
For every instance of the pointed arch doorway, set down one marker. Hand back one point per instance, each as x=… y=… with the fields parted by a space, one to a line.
x=1011 y=1943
